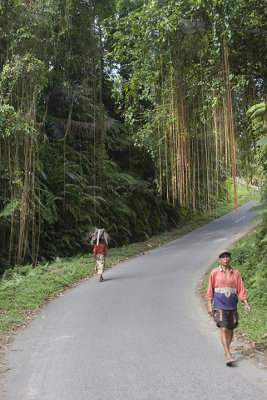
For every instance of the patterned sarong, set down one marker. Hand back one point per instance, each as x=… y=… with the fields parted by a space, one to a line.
x=100 y=263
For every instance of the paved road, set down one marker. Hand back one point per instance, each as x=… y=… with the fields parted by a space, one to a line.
x=140 y=335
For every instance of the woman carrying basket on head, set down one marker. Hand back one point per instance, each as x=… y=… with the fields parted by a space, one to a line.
x=101 y=237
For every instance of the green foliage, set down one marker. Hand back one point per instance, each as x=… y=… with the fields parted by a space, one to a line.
x=258 y=124
x=20 y=68
x=262 y=141
x=9 y=209
x=83 y=128
x=258 y=120
x=251 y=262
x=170 y=82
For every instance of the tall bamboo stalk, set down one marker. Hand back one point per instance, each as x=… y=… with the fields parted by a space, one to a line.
x=231 y=120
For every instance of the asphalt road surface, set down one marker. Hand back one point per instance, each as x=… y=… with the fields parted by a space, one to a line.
x=142 y=334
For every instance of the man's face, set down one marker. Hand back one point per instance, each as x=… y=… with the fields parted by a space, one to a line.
x=225 y=260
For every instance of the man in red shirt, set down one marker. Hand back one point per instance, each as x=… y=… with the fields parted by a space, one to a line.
x=225 y=286
x=100 y=252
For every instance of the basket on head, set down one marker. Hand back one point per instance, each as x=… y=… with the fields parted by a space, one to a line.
x=98 y=234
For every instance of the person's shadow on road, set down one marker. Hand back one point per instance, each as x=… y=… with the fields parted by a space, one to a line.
x=239 y=358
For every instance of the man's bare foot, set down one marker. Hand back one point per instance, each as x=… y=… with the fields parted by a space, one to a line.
x=230 y=355
x=229 y=359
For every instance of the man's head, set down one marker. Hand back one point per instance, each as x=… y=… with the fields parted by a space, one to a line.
x=224 y=254
x=225 y=258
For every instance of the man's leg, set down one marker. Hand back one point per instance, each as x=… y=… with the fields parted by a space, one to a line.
x=230 y=334
x=226 y=339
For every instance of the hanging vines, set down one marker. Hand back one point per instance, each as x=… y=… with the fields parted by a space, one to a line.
x=111 y=121
x=192 y=122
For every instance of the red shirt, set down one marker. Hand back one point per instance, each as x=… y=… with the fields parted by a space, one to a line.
x=100 y=249
x=225 y=292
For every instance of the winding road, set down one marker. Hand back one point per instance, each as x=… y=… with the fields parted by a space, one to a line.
x=142 y=334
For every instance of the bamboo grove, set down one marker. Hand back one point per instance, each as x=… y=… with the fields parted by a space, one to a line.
x=129 y=115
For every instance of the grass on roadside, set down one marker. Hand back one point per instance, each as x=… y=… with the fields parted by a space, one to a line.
x=24 y=289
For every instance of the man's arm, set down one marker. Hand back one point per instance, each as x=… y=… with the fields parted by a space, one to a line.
x=209 y=295
x=242 y=293
x=247 y=306
x=210 y=308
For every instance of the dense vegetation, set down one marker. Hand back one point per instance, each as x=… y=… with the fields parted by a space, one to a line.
x=132 y=115
x=252 y=264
